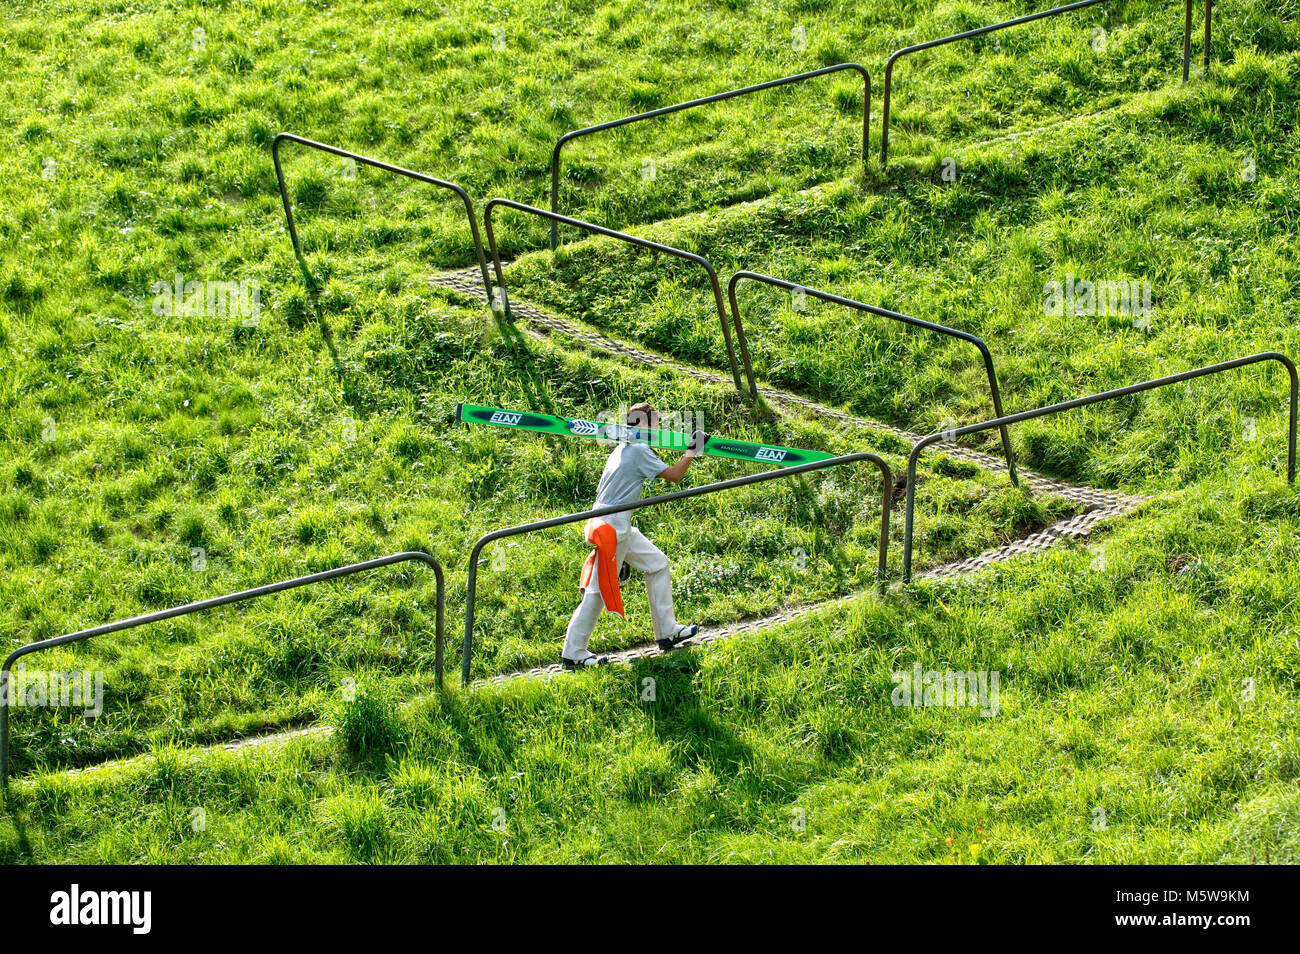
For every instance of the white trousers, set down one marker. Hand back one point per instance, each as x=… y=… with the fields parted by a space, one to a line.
x=636 y=550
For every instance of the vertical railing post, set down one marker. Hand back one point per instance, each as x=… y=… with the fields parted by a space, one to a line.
x=471 y=590
x=1209 y=7
x=5 y=677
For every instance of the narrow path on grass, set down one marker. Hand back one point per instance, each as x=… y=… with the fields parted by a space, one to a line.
x=1099 y=505
x=1073 y=528
x=469 y=282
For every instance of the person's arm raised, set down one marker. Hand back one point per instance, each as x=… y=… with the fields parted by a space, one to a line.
x=678 y=470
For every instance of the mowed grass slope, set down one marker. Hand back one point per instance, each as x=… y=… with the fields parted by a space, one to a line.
x=224 y=460
x=154 y=458
x=1124 y=733
x=159 y=121
x=321 y=436
x=1193 y=193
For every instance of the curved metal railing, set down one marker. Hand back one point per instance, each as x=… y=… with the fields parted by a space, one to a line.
x=212 y=603
x=1029 y=18
x=502 y=299
x=467 y=650
x=883 y=313
x=1093 y=399
x=703 y=101
x=377 y=164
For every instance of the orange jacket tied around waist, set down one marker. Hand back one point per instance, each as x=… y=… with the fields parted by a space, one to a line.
x=603 y=562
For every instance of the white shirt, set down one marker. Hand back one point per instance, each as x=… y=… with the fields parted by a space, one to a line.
x=629 y=466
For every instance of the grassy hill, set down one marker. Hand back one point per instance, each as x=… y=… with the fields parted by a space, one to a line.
x=152 y=458
x=1122 y=737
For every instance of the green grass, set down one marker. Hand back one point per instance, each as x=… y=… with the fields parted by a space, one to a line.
x=132 y=439
x=1122 y=691
x=1154 y=195
x=106 y=519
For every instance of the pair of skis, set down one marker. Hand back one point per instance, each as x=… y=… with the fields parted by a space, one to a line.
x=661 y=439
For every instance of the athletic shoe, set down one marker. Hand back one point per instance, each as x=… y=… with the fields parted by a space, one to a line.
x=683 y=633
x=573 y=666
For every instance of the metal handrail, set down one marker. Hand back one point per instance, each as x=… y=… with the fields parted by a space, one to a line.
x=1028 y=18
x=504 y=301
x=386 y=167
x=704 y=101
x=883 y=313
x=212 y=603
x=1187 y=37
x=1093 y=399
x=886 y=497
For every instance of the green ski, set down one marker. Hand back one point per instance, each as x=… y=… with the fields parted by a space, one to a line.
x=661 y=439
